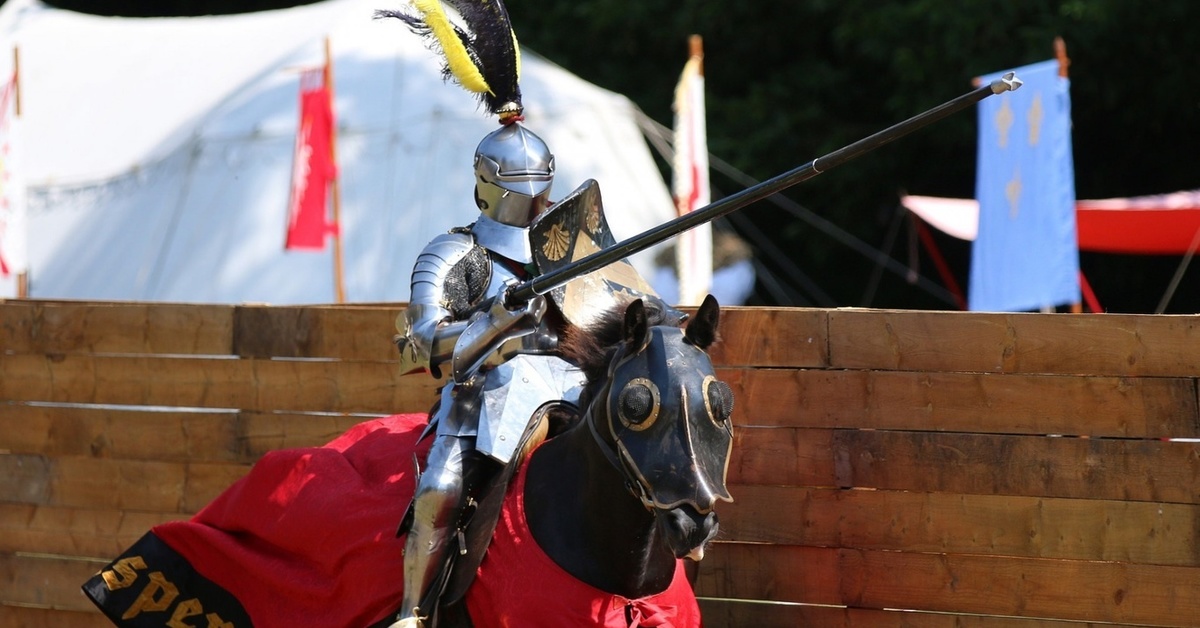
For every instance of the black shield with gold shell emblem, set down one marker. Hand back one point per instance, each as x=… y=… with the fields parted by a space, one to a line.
x=571 y=230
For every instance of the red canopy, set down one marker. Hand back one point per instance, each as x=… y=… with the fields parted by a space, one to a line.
x=1161 y=224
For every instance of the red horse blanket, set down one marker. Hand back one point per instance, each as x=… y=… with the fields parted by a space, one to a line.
x=307 y=538
x=519 y=585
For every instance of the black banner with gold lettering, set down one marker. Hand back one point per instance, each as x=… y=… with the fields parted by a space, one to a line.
x=152 y=585
x=306 y=538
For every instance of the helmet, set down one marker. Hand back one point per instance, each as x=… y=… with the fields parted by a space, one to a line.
x=513 y=173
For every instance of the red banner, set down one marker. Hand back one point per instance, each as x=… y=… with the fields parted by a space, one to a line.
x=312 y=168
x=13 y=227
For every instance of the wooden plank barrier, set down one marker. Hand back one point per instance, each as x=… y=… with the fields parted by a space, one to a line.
x=891 y=468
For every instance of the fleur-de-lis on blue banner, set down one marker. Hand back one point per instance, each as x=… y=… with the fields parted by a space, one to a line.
x=1026 y=254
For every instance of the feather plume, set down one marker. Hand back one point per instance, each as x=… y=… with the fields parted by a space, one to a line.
x=481 y=53
x=458 y=58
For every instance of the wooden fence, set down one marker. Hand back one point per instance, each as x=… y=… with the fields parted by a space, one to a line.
x=891 y=468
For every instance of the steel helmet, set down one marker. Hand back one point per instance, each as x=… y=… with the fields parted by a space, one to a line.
x=513 y=173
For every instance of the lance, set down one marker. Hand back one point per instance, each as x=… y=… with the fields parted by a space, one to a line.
x=543 y=284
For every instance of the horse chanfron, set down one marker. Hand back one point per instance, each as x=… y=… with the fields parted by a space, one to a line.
x=669 y=419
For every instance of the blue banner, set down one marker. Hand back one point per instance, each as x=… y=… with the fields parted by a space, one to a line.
x=1026 y=256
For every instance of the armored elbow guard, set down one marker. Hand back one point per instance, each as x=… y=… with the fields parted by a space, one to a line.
x=450 y=277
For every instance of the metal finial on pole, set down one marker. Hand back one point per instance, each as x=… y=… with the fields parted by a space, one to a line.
x=1007 y=83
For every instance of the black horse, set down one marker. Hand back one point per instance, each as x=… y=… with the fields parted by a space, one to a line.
x=654 y=453
x=616 y=500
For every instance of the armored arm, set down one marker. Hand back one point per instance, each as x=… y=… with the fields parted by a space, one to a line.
x=428 y=327
x=493 y=329
x=448 y=320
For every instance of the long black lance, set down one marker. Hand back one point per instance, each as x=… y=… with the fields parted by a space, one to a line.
x=545 y=283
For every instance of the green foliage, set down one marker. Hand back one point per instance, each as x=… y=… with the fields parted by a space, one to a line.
x=788 y=81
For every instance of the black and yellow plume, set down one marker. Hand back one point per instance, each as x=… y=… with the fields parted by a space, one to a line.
x=481 y=53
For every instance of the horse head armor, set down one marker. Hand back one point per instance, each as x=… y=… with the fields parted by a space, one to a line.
x=668 y=414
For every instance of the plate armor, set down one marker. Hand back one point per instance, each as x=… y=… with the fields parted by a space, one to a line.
x=456 y=329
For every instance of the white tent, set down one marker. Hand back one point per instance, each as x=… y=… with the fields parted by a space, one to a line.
x=158 y=151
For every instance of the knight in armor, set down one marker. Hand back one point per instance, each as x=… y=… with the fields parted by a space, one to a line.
x=499 y=360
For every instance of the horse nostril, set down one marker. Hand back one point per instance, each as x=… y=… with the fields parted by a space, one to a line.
x=710 y=526
x=688 y=531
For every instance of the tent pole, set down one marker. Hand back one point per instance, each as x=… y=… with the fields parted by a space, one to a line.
x=1090 y=295
x=339 y=283
x=889 y=242
x=1175 y=279
x=939 y=262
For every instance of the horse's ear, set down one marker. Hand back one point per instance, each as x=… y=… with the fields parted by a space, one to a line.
x=702 y=330
x=637 y=329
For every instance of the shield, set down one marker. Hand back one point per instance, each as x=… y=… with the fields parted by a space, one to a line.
x=570 y=230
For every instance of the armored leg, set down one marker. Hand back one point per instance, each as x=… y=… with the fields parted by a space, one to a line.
x=436 y=507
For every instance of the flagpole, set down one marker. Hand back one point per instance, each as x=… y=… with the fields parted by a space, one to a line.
x=23 y=276
x=339 y=283
x=1060 y=53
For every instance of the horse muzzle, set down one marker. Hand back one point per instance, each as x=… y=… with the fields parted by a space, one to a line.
x=686 y=530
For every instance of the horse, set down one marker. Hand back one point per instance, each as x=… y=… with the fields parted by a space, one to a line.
x=618 y=499
x=594 y=527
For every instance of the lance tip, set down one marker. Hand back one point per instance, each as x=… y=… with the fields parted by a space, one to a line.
x=1007 y=83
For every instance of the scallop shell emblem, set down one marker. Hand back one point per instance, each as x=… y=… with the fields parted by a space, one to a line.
x=557 y=241
x=593 y=219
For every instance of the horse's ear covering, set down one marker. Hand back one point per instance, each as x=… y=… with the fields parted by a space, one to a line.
x=637 y=330
x=702 y=330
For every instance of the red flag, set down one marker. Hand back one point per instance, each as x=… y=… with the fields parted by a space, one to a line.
x=13 y=236
x=312 y=167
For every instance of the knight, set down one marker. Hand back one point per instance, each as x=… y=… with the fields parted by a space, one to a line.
x=499 y=360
